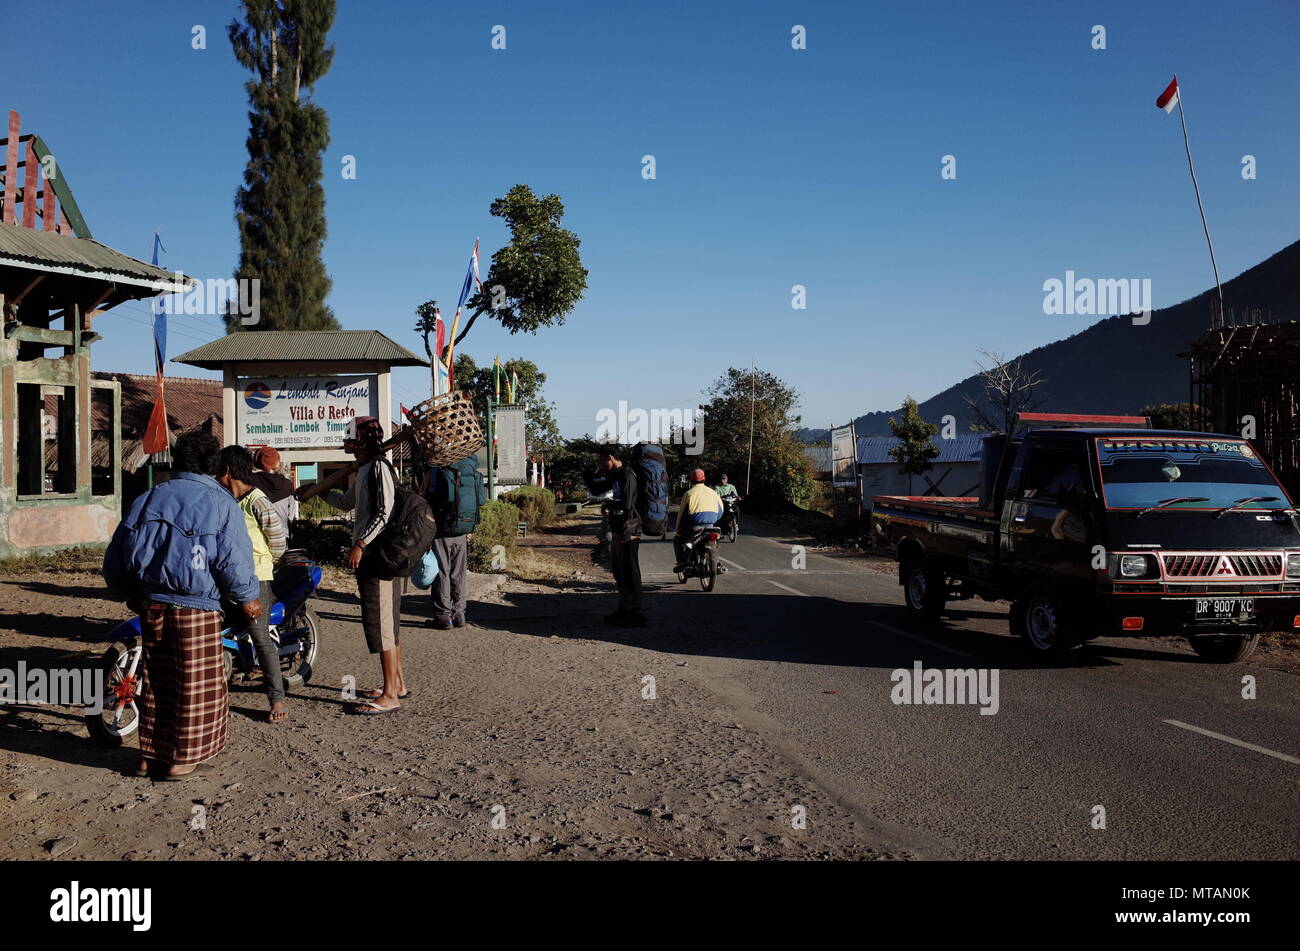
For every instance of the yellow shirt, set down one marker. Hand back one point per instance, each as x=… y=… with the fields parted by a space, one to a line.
x=263 y=562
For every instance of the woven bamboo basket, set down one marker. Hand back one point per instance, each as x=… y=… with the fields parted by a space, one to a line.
x=446 y=428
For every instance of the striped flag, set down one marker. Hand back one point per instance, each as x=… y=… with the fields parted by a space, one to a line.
x=1169 y=98
x=156 y=433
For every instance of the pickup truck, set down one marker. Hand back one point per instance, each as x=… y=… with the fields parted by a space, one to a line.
x=1098 y=526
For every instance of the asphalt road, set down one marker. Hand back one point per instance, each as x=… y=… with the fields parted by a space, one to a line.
x=805 y=655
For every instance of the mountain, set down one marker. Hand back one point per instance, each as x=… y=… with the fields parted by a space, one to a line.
x=1116 y=367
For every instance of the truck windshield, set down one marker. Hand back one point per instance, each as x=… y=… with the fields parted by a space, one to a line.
x=1210 y=473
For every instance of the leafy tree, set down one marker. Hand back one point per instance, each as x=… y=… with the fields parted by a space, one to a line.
x=1185 y=416
x=540 y=428
x=1008 y=389
x=916 y=450
x=566 y=463
x=280 y=208
x=780 y=474
x=539 y=274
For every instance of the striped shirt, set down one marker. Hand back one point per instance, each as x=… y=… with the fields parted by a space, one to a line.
x=369 y=499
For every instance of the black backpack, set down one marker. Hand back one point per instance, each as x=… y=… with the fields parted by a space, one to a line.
x=651 y=468
x=407 y=535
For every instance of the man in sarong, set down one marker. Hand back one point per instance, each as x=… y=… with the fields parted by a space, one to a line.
x=177 y=554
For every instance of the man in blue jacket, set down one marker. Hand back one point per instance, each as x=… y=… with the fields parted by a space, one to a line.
x=179 y=553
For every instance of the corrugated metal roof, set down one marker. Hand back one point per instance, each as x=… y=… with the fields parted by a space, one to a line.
x=819 y=457
x=301 y=345
x=45 y=250
x=964 y=447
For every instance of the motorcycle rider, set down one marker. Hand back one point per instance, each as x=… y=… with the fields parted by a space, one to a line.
x=725 y=489
x=699 y=506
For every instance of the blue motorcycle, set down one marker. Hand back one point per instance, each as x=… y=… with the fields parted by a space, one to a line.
x=294 y=628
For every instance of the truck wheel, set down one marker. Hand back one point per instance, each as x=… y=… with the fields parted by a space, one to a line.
x=1225 y=648
x=1039 y=619
x=924 y=590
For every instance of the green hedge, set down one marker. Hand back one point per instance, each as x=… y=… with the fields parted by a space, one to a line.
x=329 y=543
x=536 y=504
x=497 y=525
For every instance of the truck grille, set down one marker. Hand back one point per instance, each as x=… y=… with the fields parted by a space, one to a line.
x=1210 y=566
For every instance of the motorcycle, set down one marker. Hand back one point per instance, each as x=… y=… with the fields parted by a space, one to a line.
x=294 y=628
x=702 y=557
x=729 y=524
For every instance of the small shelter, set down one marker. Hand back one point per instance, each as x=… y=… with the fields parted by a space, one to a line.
x=60 y=481
x=296 y=390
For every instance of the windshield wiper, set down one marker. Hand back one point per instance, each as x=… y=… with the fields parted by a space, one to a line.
x=1164 y=502
x=1253 y=498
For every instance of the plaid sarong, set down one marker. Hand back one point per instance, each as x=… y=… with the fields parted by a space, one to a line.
x=184 y=707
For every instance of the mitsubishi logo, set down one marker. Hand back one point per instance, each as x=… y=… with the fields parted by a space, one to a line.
x=1225 y=566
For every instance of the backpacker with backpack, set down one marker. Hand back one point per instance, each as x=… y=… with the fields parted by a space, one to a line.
x=406 y=536
x=456 y=495
x=651 y=468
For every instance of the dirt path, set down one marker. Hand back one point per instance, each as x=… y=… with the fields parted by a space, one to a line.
x=533 y=735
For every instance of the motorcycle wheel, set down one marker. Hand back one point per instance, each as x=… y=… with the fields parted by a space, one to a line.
x=681 y=577
x=710 y=573
x=298 y=667
x=121 y=714
x=732 y=530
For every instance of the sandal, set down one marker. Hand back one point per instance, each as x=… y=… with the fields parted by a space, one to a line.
x=375 y=693
x=372 y=709
x=277 y=716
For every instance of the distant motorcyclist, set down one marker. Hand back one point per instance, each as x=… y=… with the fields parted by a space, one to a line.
x=699 y=506
x=725 y=489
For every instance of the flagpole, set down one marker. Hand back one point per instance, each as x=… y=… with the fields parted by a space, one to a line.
x=1218 y=319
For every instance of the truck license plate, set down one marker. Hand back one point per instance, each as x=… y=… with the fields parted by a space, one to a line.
x=1211 y=608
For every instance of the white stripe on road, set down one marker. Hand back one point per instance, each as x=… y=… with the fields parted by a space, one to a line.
x=785 y=587
x=732 y=563
x=918 y=637
x=1227 y=739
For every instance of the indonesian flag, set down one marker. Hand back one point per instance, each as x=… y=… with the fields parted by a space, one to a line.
x=1169 y=98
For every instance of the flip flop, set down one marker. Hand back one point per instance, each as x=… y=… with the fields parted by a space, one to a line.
x=372 y=709
x=201 y=770
x=374 y=693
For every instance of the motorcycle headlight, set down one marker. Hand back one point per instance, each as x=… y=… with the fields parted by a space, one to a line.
x=1135 y=566
x=1293 y=566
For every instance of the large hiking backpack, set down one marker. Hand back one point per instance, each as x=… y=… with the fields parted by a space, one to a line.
x=408 y=533
x=647 y=461
x=456 y=495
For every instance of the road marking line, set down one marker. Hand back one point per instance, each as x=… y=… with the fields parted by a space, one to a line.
x=1228 y=739
x=732 y=563
x=785 y=587
x=923 y=640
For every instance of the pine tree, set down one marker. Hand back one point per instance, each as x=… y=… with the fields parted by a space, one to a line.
x=916 y=449
x=280 y=209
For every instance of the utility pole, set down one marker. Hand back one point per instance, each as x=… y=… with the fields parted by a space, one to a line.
x=749 y=463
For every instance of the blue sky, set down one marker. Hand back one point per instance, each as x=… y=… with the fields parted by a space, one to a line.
x=775 y=167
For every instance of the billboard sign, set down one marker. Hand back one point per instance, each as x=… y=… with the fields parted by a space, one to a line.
x=511 y=459
x=301 y=412
x=844 y=456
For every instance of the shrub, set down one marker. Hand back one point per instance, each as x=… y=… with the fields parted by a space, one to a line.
x=536 y=505
x=329 y=543
x=497 y=524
